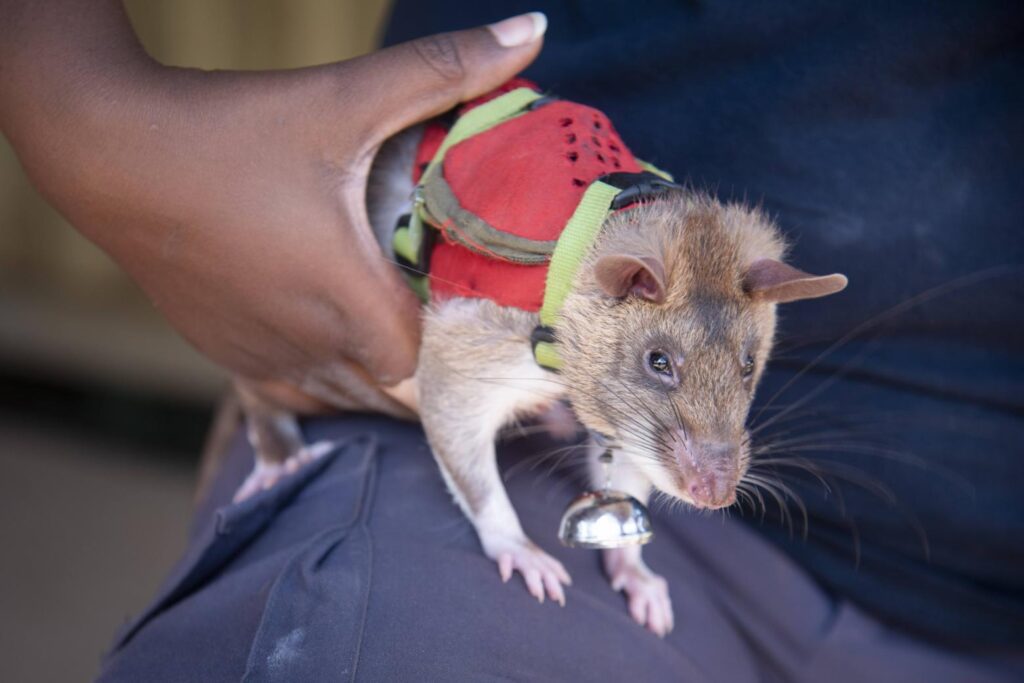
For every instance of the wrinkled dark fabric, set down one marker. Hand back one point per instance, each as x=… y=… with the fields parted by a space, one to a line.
x=360 y=567
x=887 y=139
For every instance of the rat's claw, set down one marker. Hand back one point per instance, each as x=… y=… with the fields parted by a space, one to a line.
x=317 y=450
x=638 y=609
x=535 y=584
x=656 y=620
x=265 y=475
x=308 y=454
x=650 y=606
x=560 y=572
x=554 y=588
x=505 y=567
x=646 y=592
x=543 y=574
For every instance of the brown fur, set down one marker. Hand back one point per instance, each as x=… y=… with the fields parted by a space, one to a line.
x=706 y=320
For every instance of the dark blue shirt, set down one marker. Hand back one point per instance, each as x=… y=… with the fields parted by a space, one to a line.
x=886 y=138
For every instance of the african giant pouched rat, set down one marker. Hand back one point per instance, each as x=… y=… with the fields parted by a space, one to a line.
x=663 y=336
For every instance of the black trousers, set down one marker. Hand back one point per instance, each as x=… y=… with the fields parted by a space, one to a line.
x=360 y=567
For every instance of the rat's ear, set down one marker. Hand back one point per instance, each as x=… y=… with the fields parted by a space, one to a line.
x=620 y=275
x=770 y=280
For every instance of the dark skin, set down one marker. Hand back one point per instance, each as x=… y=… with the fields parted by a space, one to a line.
x=236 y=200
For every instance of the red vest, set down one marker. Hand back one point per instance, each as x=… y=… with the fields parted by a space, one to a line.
x=525 y=177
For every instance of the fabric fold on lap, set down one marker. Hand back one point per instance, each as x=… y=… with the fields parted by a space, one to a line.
x=321 y=595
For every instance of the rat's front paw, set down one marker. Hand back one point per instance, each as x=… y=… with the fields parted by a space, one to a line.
x=646 y=592
x=265 y=475
x=543 y=574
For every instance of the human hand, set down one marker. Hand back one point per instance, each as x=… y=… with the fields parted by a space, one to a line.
x=236 y=200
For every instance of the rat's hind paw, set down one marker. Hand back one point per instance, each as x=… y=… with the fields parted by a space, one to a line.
x=543 y=574
x=264 y=475
x=646 y=592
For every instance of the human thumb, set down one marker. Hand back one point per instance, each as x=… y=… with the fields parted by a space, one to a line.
x=414 y=81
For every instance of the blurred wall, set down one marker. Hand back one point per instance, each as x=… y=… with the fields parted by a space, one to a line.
x=65 y=309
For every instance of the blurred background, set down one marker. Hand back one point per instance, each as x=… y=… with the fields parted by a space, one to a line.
x=103 y=408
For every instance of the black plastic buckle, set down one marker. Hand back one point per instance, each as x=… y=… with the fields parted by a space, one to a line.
x=541 y=333
x=637 y=187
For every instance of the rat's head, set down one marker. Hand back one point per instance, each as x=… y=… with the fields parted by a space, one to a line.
x=667 y=331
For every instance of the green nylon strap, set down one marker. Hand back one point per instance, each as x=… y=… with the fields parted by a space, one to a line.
x=406 y=243
x=547 y=356
x=420 y=285
x=579 y=234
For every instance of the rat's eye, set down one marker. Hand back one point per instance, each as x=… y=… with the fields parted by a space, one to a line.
x=660 y=363
x=748 y=367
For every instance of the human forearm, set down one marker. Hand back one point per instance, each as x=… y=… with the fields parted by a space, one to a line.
x=70 y=72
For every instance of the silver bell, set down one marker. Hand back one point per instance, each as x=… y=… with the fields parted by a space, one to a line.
x=605 y=519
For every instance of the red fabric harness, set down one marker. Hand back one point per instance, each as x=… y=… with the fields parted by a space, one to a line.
x=525 y=177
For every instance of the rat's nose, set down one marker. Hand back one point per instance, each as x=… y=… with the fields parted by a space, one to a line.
x=712 y=490
x=710 y=472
